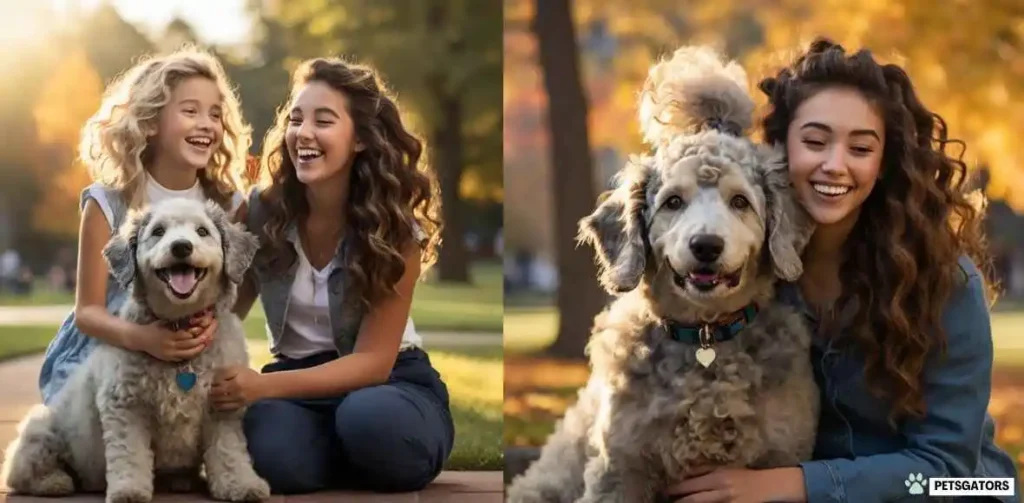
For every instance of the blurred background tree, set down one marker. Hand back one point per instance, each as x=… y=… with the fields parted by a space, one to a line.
x=573 y=180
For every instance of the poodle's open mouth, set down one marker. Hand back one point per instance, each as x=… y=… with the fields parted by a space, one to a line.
x=706 y=278
x=181 y=279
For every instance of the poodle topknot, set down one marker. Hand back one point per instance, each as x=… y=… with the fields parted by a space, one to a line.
x=691 y=92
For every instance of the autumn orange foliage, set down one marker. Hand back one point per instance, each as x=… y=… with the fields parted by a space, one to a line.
x=69 y=96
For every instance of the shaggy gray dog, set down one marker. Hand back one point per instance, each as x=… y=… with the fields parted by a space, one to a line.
x=126 y=420
x=693 y=365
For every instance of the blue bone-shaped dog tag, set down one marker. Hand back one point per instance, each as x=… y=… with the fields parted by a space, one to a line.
x=186 y=380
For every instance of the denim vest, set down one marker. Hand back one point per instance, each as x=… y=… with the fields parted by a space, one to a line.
x=275 y=285
x=70 y=346
x=859 y=458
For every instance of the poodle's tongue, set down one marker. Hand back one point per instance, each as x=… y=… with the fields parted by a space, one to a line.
x=182 y=282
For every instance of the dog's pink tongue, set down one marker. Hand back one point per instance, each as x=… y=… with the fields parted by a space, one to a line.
x=704 y=277
x=182 y=282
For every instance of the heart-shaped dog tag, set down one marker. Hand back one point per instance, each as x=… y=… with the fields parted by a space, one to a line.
x=186 y=380
x=705 y=356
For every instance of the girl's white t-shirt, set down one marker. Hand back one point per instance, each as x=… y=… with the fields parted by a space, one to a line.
x=156 y=192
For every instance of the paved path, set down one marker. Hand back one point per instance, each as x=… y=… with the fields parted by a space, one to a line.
x=54 y=315
x=19 y=393
x=33 y=315
x=450 y=487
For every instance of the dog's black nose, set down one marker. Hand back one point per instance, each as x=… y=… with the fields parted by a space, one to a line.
x=707 y=247
x=181 y=249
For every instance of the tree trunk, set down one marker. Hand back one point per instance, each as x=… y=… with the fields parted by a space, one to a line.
x=448 y=159
x=453 y=262
x=579 y=297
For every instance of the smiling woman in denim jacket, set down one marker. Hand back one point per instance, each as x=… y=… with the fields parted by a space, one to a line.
x=893 y=284
x=348 y=216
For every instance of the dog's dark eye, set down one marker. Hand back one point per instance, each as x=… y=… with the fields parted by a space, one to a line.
x=739 y=202
x=202 y=232
x=158 y=231
x=674 y=203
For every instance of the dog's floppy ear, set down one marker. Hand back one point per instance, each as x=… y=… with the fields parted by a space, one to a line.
x=616 y=231
x=788 y=226
x=120 y=251
x=238 y=245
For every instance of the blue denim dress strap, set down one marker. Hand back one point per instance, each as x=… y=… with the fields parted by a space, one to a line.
x=70 y=346
x=858 y=457
x=274 y=274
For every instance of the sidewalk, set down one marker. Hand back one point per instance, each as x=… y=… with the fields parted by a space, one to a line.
x=20 y=393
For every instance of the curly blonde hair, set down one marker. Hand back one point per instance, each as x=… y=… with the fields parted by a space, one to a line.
x=114 y=144
x=401 y=189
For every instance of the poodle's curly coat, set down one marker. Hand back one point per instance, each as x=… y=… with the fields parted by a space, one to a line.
x=121 y=424
x=650 y=414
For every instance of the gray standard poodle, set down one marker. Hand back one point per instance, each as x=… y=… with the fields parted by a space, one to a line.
x=693 y=365
x=125 y=420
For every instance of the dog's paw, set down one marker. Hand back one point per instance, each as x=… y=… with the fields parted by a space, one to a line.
x=252 y=488
x=129 y=494
x=57 y=483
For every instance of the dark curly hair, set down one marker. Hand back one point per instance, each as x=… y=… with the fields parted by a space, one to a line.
x=900 y=260
x=396 y=189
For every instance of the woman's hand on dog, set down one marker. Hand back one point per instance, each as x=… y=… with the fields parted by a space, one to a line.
x=235 y=387
x=739 y=485
x=174 y=346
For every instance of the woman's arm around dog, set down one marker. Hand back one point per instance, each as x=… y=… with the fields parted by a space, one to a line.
x=92 y=317
x=369 y=364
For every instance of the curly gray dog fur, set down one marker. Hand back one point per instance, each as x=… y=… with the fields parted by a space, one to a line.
x=650 y=413
x=121 y=424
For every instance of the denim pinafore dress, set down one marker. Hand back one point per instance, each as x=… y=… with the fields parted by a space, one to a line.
x=70 y=347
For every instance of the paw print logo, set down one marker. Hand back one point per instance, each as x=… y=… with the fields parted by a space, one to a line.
x=915 y=483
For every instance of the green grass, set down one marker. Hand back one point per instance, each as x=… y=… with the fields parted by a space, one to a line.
x=473 y=375
x=1008 y=337
x=24 y=340
x=41 y=296
x=436 y=307
x=453 y=307
x=530 y=329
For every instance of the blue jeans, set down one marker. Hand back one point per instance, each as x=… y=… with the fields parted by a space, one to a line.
x=394 y=437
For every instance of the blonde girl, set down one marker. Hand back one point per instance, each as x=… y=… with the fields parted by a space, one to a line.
x=168 y=127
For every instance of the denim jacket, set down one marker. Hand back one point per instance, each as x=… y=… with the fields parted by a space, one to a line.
x=859 y=458
x=346 y=312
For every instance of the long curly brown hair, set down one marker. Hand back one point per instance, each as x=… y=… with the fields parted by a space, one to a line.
x=900 y=260
x=393 y=187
